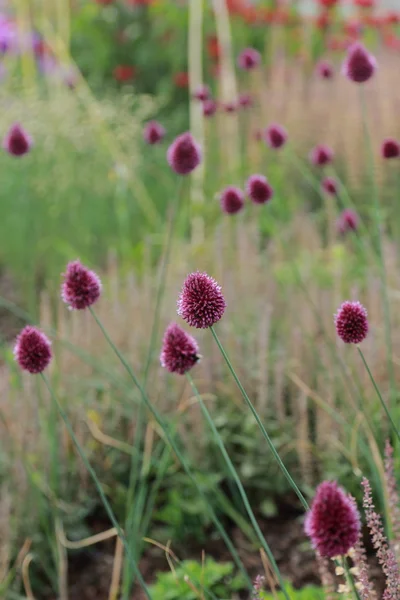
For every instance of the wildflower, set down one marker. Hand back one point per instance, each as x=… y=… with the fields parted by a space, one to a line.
x=333 y=523
x=249 y=59
x=201 y=302
x=390 y=148
x=232 y=200
x=209 y=108
x=275 y=136
x=179 y=350
x=184 y=154
x=258 y=189
x=321 y=155
x=351 y=322
x=202 y=93
x=329 y=186
x=328 y=3
x=81 y=287
x=348 y=221
x=324 y=69
x=32 y=350
x=181 y=79
x=245 y=100
x=359 y=65
x=230 y=107
x=124 y=73
x=213 y=47
x=17 y=141
x=153 y=132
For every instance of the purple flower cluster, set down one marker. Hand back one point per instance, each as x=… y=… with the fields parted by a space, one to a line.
x=359 y=65
x=232 y=200
x=17 y=141
x=201 y=302
x=81 y=287
x=153 y=133
x=179 y=350
x=32 y=350
x=351 y=322
x=184 y=154
x=249 y=59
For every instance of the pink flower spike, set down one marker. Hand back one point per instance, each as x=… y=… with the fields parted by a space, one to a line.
x=321 y=155
x=184 y=154
x=17 y=141
x=81 y=287
x=209 y=108
x=348 y=221
x=153 y=133
x=232 y=200
x=329 y=185
x=32 y=350
x=201 y=302
x=249 y=59
x=324 y=69
x=258 y=189
x=351 y=321
x=390 y=148
x=359 y=65
x=333 y=523
x=275 y=136
x=179 y=350
x=202 y=93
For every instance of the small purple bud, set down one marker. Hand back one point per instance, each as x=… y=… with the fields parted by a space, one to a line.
x=329 y=185
x=179 y=350
x=390 y=148
x=202 y=93
x=249 y=59
x=321 y=155
x=184 y=154
x=258 y=189
x=359 y=65
x=209 y=108
x=351 y=322
x=348 y=221
x=245 y=100
x=324 y=69
x=17 y=142
x=201 y=302
x=232 y=200
x=81 y=287
x=230 y=107
x=275 y=136
x=153 y=132
x=32 y=350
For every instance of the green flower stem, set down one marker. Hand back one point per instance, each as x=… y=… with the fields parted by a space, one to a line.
x=379 y=393
x=236 y=477
x=97 y=483
x=349 y=579
x=175 y=448
x=259 y=423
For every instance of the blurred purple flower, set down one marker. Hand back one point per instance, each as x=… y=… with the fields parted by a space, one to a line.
x=232 y=200
x=17 y=141
x=179 y=350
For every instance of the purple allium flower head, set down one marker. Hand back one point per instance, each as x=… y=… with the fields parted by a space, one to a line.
x=201 y=302
x=359 y=65
x=321 y=155
x=245 y=100
x=179 y=350
x=333 y=523
x=32 y=350
x=348 y=221
x=184 y=154
x=17 y=141
x=232 y=200
x=202 y=93
x=258 y=189
x=325 y=69
x=390 y=148
x=329 y=185
x=153 y=132
x=275 y=136
x=351 y=322
x=209 y=108
x=81 y=287
x=249 y=59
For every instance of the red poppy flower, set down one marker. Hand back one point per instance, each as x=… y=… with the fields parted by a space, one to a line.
x=181 y=79
x=124 y=73
x=213 y=47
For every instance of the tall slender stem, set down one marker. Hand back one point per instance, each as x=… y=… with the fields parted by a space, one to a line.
x=97 y=483
x=349 y=579
x=258 y=420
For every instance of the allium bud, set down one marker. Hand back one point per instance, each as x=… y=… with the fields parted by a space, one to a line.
x=17 y=141
x=329 y=185
x=179 y=350
x=321 y=155
x=209 y=108
x=348 y=221
x=351 y=322
x=232 y=200
x=202 y=93
x=245 y=100
x=275 y=136
x=333 y=523
x=230 y=107
x=153 y=132
x=81 y=287
x=359 y=65
x=249 y=59
x=201 y=302
x=324 y=69
x=184 y=154
x=390 y=148
x=32 y=350
x=258 y=189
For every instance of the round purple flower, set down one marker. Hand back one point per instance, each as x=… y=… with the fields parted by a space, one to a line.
x=275 y=136
x=153 y=132
x=321 y=155
x=329 y=185
x=201 y=302
x=209 y=108
x=184 y=154
x=17 y=141
x=258 y=189
x=348 y=221
x=249 y=59
x=179 y=350
x=232 y=200
x=333 y=523
x=359 y=65
x=81 y=287
x=390 y=148
x=324 y=69
x=32 y=350
x=351 y=322
x=202 y=93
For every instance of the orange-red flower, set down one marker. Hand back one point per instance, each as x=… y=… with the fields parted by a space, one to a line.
x=124 y=73
x=213 y=47
x=181 y=79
